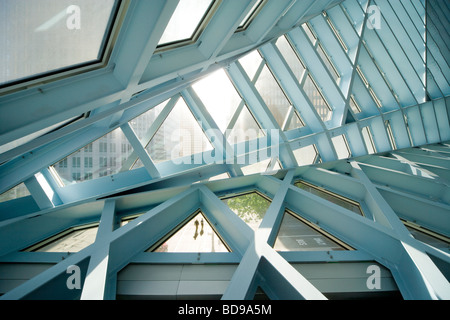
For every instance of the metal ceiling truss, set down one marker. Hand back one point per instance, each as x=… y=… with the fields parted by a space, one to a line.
x=392 y=80
x=388 y=187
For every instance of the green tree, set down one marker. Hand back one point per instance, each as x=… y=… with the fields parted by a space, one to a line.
x=249 y=207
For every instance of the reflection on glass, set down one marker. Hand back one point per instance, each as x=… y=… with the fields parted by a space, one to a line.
x=245 y=22
x=291 y=57
x=332 y=197
x=75 y=31
x=327 y=61
x=275 y=98
x=18 y=191
x=309 y=32
x=317 y=99
x=219 y=96
x=297 y=235
x=435 y=240
x=306 y=155
x=142 y=124
x=185 y=20
x=245 y=129
x=101 y=158
x=73 y=241
x=368 y=140
x=195 y=236
x=250 y=207
x=341 y=147
x=179 y=136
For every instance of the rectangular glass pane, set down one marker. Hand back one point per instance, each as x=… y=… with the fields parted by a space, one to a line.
x=185 y=20
x=42 y=36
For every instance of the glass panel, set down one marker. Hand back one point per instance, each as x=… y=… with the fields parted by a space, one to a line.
x=245 y=129
x=219 y=96
x=291 y=57
x=251 y=62
x=74 y=30
x=294 y=122
x=390 y=134
x=354 y=105
x=103 y=157
x=332 y=197
x=341 y=147
x=296 y=235
x=306 y=155
x=250 y=14
x=250 y=207
x=142 y=124
x=308 y=30
x=426 y=237
x=368 y=140
x=317 y=99
x=273 y=96
x=256 y=167
x=326 y=60
x=195 y=236
x=21 y=141
x=75 y=241
x=18 y=191
x=186 y=19
x=179 y=136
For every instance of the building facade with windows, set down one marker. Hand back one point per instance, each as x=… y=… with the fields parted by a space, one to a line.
x=234 y=150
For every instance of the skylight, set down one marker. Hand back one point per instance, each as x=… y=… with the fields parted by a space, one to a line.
x=76 y=32
x=185 y=21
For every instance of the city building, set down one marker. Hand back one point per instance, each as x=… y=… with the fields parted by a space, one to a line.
x=219 y=149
